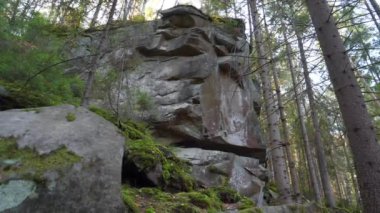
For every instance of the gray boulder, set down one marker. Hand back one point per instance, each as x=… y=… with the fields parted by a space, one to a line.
x=70 y=161
x=213 y=168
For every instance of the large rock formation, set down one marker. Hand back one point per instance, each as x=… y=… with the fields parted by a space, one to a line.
x=59 y=159
x=190 y=79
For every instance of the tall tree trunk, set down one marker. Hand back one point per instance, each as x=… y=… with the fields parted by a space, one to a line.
x=143 y=4
x=372 y=15
x=360 y=130
x=325 y=178
x=127 y=8
x=275 y=144
x=96 y=58
x=331 y=154
x=305 y=137
x=350 y=167
x=96 y=14
x=250 y=26
x=234 y=8
x=376 y=7
x=292 y=165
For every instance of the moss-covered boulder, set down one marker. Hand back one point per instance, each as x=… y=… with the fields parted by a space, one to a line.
x=148 y=163
x=59 y=159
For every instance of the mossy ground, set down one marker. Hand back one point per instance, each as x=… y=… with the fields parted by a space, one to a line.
x=29 y=164
x=156 y=200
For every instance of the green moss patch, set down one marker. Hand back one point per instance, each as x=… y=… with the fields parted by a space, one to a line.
x=71 y=117
x=147 y=154
x=29 y=164
x=148 y=199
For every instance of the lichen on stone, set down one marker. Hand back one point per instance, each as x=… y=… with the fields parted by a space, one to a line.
x=30 y=164
x=14 y=192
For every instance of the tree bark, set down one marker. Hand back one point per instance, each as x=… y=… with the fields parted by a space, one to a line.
x=360 y=130
x=372 y=15
x=96 y=14
x=325 y=178
x=91 y=74
x=376 y=7
x=127 y=8
x=305 y=137
x=275 y=144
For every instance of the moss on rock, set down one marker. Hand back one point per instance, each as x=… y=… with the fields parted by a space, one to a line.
x=147 y=154
x=71 y=117
x=29 y=164
x=143 y=199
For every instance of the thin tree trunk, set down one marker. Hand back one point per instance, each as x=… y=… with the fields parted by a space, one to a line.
x=360 y=130
x=305 y=137
x=350 y=167
x=143 y=4
x=330 y=154
x=325 y=178
x=250 y=26
x=275 y=145
x=127 y=8
x=376 y=7
x=96 y=14
x=94 y=62
x=234 y=8
x=372 y=15
x=158 y=11
x=292 y=166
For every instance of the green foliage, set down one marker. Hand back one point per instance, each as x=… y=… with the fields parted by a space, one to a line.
x=70 y=117
x=24 y=58
x=213 y=7
x=18 y=97
x=138 y=18
x=251 y=210
x=31 y=164
x=144 y=101
x=301 y=21
x=246 y=203
x=272 y=186
x=150 y=210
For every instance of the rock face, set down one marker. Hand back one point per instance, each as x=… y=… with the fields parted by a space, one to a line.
x=191 y=80
x=187 y=76
x=70 y=162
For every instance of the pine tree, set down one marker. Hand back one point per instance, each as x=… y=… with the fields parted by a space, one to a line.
x=360 y=130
